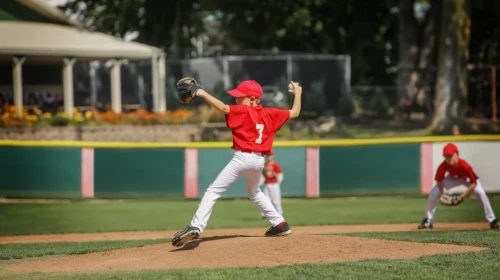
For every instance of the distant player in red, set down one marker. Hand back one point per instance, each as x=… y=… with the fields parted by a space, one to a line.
x=253 y=128
x=272 y=176
x=460 y=173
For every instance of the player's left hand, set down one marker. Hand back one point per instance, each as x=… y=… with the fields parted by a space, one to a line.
x=186 y=89
x=450 y=199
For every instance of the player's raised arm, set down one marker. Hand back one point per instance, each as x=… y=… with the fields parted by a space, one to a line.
x=214 y=102
x=188 y=88
x=296 y=90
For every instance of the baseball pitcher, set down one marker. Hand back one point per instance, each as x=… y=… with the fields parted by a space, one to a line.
x=253 y=128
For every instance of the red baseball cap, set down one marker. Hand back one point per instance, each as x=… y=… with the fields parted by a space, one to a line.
x=450 y=149
x=247 y=88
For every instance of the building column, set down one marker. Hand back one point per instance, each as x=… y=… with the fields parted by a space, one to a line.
x=158 y=81
x=162 y=84
x=68 y=85
x=17 y=83
x=116 y=85
x=154 y=80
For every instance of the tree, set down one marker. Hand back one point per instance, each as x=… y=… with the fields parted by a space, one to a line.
x=417 y=53
x=171 y=25
x=112 y=17
x=409 y=50
x=363 y=29
x=451 y=88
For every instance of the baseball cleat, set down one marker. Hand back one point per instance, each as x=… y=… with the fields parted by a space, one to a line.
x=426 y=223
x=494 y=224
x=279 y=230
x=186 y=235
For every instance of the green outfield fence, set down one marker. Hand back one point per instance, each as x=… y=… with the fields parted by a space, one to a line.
x=75 y=169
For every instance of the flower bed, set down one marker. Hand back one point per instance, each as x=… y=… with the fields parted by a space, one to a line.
x=35 y=118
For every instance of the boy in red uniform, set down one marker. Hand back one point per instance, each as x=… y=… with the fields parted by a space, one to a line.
x=272 y=176
x=253 y=128
x=459 y=173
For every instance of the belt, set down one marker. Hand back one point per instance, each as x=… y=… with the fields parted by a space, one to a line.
x=251 y=152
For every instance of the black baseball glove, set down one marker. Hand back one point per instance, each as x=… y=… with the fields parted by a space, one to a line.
x=186 y=89
x=450 y=199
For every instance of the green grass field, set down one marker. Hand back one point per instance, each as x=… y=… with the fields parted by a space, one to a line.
x=104 y=216
x=133 y=215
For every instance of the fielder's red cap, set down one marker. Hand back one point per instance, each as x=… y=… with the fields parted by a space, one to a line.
x=450 y=149
x=247 y=88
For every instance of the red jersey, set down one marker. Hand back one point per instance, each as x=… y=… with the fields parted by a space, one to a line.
x=254 y=127
x=462 y=170
x=269 y=168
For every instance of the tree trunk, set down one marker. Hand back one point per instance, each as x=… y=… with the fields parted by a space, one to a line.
x=451 y=88
x=425 y=82
x=408 y=52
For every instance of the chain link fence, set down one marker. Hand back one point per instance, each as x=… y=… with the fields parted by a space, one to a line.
x=326 y=82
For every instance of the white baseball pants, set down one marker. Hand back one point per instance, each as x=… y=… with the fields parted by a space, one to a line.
x=248 y=166
x=449 y=182
x=273 y=191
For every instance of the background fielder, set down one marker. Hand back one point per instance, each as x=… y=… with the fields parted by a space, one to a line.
x=460 y=173
x=272 y=176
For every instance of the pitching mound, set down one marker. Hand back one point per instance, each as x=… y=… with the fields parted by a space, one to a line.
x=240 y=251
x=307 y=230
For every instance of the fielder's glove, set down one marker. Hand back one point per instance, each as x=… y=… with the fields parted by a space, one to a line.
x=450 y=199
x=186 y=89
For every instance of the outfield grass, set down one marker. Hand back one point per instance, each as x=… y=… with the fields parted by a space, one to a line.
x=476 y=265
x=174 y=214
x=133 y=215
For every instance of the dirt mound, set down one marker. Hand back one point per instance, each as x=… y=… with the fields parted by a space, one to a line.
x=239 y=251
x=137 y=235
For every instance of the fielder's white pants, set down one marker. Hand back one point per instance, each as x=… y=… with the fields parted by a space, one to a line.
x=248 y=166
x=449 y=182
x=273 y=191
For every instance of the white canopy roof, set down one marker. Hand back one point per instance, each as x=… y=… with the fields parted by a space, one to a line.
x=52 y=40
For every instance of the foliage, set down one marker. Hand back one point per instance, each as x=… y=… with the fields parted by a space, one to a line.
x=363 y=29
x=383 y=38
x=36 y=118
x=171 y=25
x=485 y=33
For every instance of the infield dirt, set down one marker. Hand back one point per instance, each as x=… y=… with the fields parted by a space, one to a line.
x=239 y=248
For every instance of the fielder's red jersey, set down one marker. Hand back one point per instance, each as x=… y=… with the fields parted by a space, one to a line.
x=254 y=127
x=271 y=166
x=462 y=170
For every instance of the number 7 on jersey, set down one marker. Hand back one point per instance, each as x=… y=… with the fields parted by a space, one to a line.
x=260 y=128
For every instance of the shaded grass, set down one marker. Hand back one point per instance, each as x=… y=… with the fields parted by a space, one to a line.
x=135 y=215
